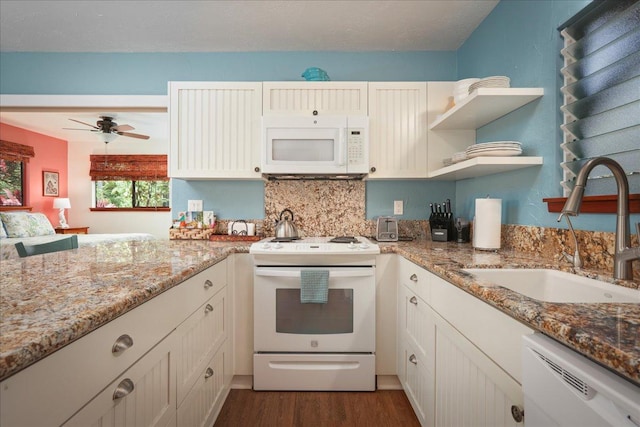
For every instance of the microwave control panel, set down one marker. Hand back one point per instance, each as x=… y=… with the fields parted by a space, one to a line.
x=356 y=150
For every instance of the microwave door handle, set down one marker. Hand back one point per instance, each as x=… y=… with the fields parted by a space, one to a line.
x=342 y=149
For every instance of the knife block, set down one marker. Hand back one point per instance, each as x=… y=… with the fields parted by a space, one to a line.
x=442 y=228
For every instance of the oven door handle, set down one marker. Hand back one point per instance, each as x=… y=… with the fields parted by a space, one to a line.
x=270 y=272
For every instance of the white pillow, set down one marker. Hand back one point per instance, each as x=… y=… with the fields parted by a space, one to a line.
x=26 y=224
x=3 y=232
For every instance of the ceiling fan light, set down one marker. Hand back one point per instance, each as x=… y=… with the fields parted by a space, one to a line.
x=107 y=137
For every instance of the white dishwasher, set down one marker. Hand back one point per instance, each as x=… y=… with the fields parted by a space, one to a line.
x=563 y=388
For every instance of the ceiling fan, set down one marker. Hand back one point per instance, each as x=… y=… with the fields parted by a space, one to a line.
x=109 y=130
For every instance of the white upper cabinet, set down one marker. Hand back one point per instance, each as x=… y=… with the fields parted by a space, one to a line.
x=215 y=129
x=398 y=130
x=303 y=98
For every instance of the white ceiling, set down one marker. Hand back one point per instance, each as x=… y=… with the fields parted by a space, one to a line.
x=238 y=25
x=221 y=26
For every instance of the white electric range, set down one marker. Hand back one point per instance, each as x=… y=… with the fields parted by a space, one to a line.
x=320 y=345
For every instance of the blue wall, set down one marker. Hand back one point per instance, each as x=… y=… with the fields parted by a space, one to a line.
x=519 y=39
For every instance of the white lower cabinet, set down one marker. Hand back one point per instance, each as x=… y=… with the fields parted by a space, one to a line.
x=451 y=364
x=470 y=389
x=145 y=395
x=166 y=359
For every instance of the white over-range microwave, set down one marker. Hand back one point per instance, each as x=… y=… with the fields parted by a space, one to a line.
x=331 y=146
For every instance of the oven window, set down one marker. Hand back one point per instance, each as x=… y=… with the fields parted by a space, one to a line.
x=334 y=317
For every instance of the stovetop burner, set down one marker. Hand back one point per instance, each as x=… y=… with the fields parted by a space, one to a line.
x=344 y=239
x=284 y=239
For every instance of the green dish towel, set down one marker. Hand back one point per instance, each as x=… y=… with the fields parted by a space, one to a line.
x=314 y=286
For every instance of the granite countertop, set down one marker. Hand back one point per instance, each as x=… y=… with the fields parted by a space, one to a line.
x=48 y=301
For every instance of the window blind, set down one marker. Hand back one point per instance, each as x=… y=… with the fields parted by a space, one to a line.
x=16 y=152
x=602 y=93
x=138 y=167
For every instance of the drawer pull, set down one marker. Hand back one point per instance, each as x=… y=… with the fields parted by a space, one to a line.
x=413 y=300
x=124 y=388
x=122 y=343
x=517 y=413
x=413 y=278
x=208 y=373
x=208 y=308
x=413 y=359
x=207 y=284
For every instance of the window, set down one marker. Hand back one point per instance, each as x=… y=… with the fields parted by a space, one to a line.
x=130 y=182
x=601 y=93
x=13 y=158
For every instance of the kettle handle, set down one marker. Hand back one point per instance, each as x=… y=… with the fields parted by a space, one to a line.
x=286 y=210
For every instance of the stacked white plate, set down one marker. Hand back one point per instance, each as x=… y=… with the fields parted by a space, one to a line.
x=461 y=89
x=459 y=156
x=496 y=148
x=493 y=81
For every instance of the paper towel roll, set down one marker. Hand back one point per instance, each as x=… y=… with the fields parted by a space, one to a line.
x=488 y=220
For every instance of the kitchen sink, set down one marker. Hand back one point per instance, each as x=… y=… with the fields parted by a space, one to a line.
x=555 y=286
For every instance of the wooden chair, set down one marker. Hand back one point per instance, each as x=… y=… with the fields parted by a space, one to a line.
x=57 y=245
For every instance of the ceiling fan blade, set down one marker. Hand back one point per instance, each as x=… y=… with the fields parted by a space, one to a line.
x=122 y=128
x=87 y=130
x=132 y=135
x=83 y=123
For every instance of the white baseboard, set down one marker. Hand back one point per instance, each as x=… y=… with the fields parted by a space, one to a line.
x=242 y=382
x=388 y=382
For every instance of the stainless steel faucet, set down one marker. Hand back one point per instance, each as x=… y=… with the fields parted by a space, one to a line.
x=624 y=254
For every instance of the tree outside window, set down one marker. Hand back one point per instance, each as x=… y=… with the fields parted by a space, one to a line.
x=11 y=182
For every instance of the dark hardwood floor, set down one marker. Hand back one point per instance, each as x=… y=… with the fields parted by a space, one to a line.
x=316 y=409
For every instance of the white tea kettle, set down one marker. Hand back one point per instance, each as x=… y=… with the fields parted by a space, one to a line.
x=285 y=228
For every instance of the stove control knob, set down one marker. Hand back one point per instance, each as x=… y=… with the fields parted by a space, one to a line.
x=266 y=245
x=364 y=246
x=352 y=245
x=277 y=246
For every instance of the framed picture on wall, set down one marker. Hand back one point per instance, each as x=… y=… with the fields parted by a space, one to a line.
x=50 y=183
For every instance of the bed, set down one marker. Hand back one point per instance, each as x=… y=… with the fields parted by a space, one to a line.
x=35 y=228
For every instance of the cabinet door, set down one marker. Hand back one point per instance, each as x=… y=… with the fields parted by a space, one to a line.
x=215 y=129
x=398 y=130
x=416 y=367
x=203 y=403
x=144 y=395
x=303 y=98
x=471 y=390
x=198 y=338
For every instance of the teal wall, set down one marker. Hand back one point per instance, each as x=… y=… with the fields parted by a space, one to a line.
x=519 y=39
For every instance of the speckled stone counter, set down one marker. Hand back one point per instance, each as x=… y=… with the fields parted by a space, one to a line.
x=48 y=301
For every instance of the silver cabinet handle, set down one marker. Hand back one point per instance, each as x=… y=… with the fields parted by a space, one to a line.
x=413 y=278
x=413 y=359
x=122 y=343
x=208 y=373
x=124 y=388
x=208 y=284
x=208 y=308
x=413 y=300
x=517 y=413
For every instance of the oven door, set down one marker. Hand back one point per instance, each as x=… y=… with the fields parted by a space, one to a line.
x=346 y=323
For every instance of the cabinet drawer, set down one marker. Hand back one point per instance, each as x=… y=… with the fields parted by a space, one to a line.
x=142 y=396
x=419 y=385
x=204 y=285
x=204 y=401
x=199 y=337
x=415 y=278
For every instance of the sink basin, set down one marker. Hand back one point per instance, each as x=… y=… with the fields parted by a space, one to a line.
x=555 y=286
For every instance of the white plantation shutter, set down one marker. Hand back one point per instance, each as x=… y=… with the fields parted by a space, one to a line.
x=602 y=93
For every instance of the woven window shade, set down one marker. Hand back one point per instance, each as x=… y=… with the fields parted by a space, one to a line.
x=602 y=93
x=139 y=167
x=16 y=152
